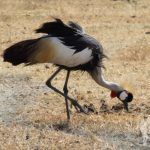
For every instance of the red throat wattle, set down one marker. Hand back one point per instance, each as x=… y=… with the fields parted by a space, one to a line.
x=113 y=94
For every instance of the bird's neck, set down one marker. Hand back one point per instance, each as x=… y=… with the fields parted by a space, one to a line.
x=97 y=76
x=109 y=85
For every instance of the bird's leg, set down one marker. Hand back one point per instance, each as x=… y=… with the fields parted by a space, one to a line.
x=77 y=106
x=66 y=93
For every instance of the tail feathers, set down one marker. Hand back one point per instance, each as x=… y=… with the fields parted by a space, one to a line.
x=19 y=52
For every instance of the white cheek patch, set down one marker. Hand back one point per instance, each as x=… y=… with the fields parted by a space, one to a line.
x=123 y=95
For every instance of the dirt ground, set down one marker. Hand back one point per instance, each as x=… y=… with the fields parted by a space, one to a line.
x=32 y=117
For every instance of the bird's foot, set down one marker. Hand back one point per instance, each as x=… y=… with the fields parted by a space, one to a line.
x=78 y=107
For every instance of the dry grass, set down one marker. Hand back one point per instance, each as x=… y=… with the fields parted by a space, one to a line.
x=106 y=131
x=33 y=117
x=137 y=52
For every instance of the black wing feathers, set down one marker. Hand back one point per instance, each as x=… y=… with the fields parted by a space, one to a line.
x=56 y=28
x=75 y=26
x=70 y=35
x=79 y=42
x=19 y=52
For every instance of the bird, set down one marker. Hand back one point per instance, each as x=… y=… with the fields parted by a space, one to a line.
x=70 y=48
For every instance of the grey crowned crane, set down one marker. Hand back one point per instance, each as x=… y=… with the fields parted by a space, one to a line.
x=69 y=48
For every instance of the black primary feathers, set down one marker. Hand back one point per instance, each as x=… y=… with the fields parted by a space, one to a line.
x=19 y=52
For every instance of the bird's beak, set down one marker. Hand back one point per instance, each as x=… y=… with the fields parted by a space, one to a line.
x=125 y=103
x=125 y=97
